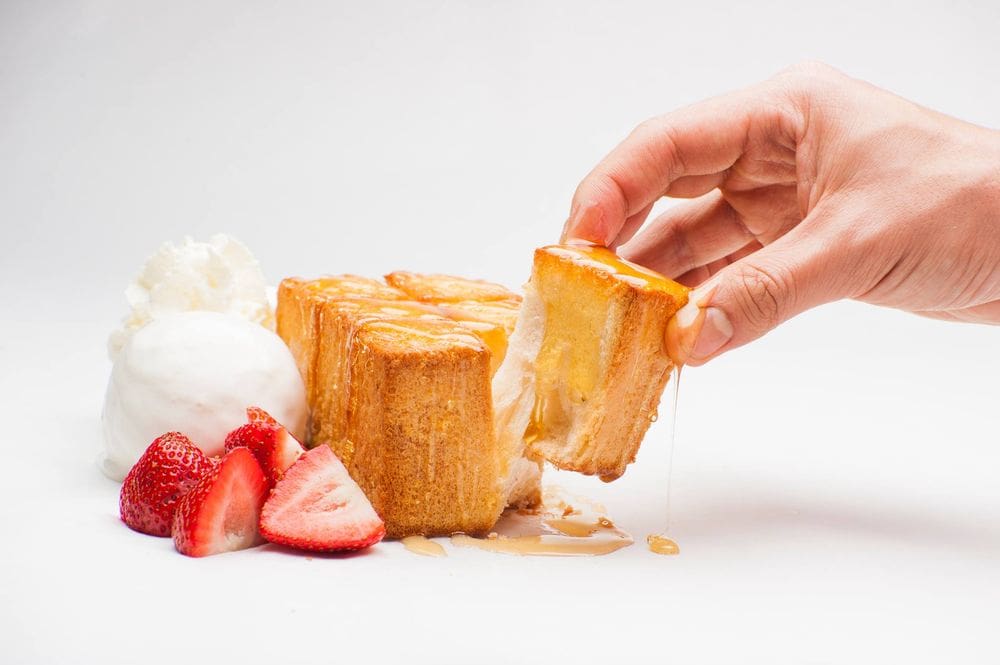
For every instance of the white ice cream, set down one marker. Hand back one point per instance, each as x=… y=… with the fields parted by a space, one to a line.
x=196 y=373
x=220 y=275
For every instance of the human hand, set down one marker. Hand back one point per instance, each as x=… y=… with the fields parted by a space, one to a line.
x=807 y=188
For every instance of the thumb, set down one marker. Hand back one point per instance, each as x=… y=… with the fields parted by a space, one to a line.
x=747 y=299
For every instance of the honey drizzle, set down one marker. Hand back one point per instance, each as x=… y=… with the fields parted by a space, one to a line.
x=606 y=260
x=660 y=543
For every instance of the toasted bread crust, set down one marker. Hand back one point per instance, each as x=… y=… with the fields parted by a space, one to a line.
x=446 y=288
x=399 y=387
x=420 y=429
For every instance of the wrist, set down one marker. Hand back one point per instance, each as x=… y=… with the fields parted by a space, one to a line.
x=983 y=177
x=992 y=177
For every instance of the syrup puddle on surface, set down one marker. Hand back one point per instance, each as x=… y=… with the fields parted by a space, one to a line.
x=423 y=546
x=563 y=526
x=660 y=543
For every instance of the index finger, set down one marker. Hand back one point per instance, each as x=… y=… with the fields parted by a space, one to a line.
x=701 y=139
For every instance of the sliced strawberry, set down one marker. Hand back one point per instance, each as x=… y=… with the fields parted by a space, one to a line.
x=169 y=468
x=221 y=513
x=317 y=506
x=272 y=445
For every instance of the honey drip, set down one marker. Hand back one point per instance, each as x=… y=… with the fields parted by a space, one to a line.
x=560 y=528
x=423 y=546
x=660 y=543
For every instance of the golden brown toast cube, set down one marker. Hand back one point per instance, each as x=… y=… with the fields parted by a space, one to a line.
x=419 y=436
x=398 y=390
x=589 y=362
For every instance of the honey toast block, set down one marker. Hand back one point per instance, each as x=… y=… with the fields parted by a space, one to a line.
x=297 y=314
x=586 y=364
x=419 y=437
x=400 y=388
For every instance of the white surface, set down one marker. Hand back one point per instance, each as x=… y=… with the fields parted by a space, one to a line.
x=835 y=485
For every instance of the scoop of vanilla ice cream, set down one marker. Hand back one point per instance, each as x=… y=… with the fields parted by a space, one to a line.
x=220 y=275
x=196 y=373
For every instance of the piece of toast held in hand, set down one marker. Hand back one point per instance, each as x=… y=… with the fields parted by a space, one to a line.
x=586 y=364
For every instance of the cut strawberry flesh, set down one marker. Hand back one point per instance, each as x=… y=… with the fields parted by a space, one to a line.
x=221 y=513
x=287 y=451
x=317 y=506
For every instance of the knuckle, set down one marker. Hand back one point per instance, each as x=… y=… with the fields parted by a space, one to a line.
x=808 y=69
x=658 y=136
x=679 y=248
x=808 y=77
x=670 y=142
x=647 y=127
x=763 y=295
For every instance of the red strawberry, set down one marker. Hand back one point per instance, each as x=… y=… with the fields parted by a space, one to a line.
x=255 y=414
x=272 y=445
x=220 y=513
x=317 y=506
x=170 y=467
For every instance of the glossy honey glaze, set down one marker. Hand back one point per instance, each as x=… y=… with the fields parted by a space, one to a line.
x=350 y=296
x=605 y=260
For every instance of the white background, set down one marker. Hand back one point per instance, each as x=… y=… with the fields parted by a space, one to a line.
x=836 y=492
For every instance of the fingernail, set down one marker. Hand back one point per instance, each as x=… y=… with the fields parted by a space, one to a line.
x=564 y=236
x=584 y=223
x=716 y=331
x=697 y=331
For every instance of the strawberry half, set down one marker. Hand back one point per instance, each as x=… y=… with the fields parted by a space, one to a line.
x=221 y=513
x=169 y=468
x=273 y=446
x=317 y=506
